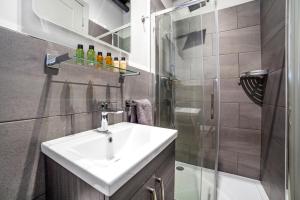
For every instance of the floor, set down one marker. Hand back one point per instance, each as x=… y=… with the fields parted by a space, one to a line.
x=188 y=185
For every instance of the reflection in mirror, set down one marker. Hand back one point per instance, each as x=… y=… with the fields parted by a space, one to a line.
x=105 y=20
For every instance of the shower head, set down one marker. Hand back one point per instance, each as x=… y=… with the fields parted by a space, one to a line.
x=197 y=6
x=194 y=7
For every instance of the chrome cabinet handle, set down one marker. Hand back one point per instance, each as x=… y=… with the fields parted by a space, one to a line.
x=162 y=187
x=153 y=193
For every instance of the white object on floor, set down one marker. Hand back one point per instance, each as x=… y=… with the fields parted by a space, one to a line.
x=188 y=185
x=193 y=183
x=233 y=187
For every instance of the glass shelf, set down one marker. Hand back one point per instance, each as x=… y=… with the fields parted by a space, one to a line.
x=57 y=63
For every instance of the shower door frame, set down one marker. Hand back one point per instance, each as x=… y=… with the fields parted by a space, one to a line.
x=153 y=67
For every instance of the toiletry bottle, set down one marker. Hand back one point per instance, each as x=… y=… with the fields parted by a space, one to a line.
x=99 y=59
x=91 y=55
x=108 y=59
x=116 y=64
x=123 y=65
x=79 y=54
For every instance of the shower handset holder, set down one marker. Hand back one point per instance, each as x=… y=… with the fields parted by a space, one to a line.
x=254 y=84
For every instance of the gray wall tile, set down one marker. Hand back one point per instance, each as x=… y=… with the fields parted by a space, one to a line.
x=240 y=140
x=230 y=115
x=240 y=40
x=21 y=162
x=274 y=82
x=249 y=165
x=240 y=51
x=37 y=107
x=248 y=14
x=209 y=67
x=274 y=107
x=250 y=116
x=273 y=52
x=209 y=22
x=228 y=19
x=232 y=92
x=249 y=61
x=229 y=66
x=228 y=161
x=273 y=21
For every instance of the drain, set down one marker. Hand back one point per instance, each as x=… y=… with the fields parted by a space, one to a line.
x=180 y=168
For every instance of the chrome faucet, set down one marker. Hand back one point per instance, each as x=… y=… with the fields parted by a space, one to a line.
x=104 y=117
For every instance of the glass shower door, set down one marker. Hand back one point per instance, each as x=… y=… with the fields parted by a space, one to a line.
x=186 y=69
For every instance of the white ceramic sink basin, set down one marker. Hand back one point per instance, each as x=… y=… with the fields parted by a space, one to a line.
x=108 y=165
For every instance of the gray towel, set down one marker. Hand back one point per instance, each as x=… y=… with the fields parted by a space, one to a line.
x=143 y=112
x=132 y=115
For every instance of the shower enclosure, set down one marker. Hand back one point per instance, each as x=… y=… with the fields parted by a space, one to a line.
x=184 y=56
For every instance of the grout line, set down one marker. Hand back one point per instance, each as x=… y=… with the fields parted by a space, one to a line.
x=240 y=28
x=244 y=52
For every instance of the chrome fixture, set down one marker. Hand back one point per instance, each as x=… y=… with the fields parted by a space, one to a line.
x=105 y=110
x=254 y=84
x=51 y=61
x=55 y=63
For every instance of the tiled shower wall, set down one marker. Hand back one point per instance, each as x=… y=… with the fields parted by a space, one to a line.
x=240 y=51
x=274 y=108
x=36 y=105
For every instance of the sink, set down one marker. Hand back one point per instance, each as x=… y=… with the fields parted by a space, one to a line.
x=106 y=162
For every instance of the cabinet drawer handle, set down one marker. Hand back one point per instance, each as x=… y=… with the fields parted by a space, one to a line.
x=153 y=193
x=162 y=187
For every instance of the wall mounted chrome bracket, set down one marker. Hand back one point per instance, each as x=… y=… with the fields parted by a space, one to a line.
x=54 y=61
x=254 y=84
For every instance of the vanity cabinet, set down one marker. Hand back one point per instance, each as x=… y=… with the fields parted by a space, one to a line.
x=154 y=182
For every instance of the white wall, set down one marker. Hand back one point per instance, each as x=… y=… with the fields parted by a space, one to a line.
x=9 y=15
x=221 y=4
x=140 y=35
x=107 y=14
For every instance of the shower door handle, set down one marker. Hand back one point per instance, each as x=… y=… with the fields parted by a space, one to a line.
x=212 y=106
x=153 y=193
x=162 y=187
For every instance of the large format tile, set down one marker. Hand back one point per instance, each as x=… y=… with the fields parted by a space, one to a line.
x=248 y=14
x=250 y=116
x=249 y=165
x=37 y=105
x=228 y=161
x=265 y=6
x=21 y=163
x=229 y=66
x=209 y=67
x=273 y=52
x=232 y=92
x=201 y=22
x=36 y=94
x=273 y=170
x=240 y=40
x=249 y=61
x=272 y=91
x=228 y=19
x=230 y=115
x=240 y=140
x=273 y=21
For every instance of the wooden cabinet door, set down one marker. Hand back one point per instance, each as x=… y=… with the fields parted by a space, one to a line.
x=165 y=179
x=147 y=191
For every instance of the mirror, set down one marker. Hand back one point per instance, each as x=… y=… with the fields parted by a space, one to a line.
x=104 y=20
